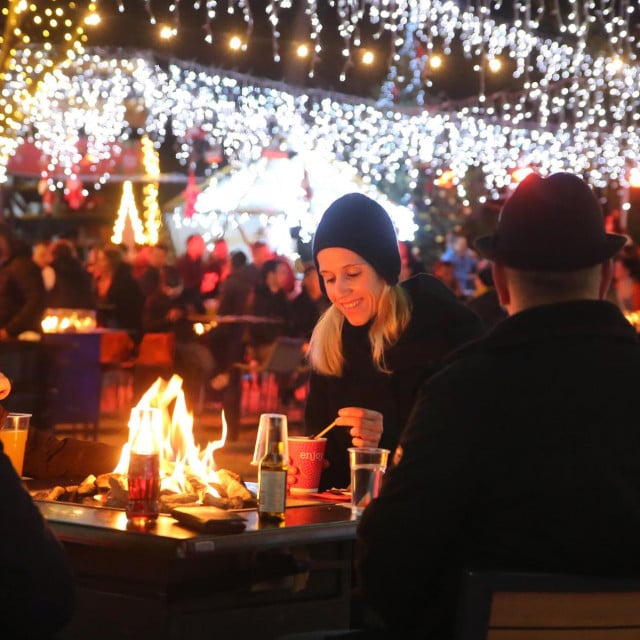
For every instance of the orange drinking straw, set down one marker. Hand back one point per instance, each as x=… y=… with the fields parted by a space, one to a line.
x=328 y=428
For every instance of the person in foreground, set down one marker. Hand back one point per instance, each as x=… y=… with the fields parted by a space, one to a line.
x=36 y=581
x=378 y=340
x=522 y=453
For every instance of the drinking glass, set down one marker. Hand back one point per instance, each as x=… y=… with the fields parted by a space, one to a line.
x=267 y=419
x=367 y=469
x=13 y=434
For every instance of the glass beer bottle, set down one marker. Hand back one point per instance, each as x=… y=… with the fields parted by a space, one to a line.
x=143 y=478
x=272 y=476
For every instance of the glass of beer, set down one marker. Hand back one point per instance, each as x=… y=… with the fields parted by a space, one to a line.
x=13 y=435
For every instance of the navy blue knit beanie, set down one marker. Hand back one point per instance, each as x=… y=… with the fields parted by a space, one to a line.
x=358 y=223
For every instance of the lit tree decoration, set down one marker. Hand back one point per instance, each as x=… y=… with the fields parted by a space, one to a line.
x=152 y=215
x=128 y=211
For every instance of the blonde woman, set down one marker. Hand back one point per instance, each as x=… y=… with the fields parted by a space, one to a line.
x=379 y=339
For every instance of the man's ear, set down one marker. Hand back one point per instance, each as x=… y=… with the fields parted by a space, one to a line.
x=501 y=284
x=606 y=277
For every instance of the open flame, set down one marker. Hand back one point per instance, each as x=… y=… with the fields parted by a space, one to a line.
x=184 y=467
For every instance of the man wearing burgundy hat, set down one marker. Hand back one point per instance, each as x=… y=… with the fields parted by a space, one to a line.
x=523 y=453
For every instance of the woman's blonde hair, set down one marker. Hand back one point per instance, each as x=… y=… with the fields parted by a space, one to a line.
x=393 y=314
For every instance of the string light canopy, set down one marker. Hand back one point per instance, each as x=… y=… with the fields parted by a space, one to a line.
x=486 y=29
x=38 y=37
x=578 y=108
x=386 y=146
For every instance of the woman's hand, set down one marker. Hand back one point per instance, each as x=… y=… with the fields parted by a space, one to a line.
x=293 y=472
x=292 y=475
x=366 y=425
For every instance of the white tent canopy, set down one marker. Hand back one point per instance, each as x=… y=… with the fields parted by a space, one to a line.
x=265 y=199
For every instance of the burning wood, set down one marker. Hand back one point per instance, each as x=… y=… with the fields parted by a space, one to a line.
x=233 y=494
x=188 y=474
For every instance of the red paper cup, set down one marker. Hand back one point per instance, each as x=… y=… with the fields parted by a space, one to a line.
x=307 y=454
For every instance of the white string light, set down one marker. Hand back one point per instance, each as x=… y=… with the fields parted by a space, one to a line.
x=518 y=29
x=568 y=124
x=578 y=109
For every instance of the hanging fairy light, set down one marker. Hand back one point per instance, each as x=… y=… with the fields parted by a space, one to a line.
x=578 y=109
x=518 y=28
x=37 y=38
x=570 y=124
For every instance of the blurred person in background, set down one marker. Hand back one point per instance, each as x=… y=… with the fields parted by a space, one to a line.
x=72 y=288
x=236 y=299
x=464 y=261
x=626 y=282
x=410 y=261
x=22 y=292
x=444 y=271
x=485 y=301
x=41 y=254
x=219 y=264
x=191 y=267
x=119 y=297
x=270 y=301
x=308 y=305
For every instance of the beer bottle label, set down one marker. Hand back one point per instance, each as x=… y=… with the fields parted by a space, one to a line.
x=273 y=490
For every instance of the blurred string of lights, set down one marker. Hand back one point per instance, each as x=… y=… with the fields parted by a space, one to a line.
x=581 y=112
x=584 y=130
x=38 y=37
x=486 y=29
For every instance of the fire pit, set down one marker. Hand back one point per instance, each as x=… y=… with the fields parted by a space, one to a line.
x=189 y=475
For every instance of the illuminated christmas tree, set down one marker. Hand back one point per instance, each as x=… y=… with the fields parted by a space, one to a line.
x=127 y=212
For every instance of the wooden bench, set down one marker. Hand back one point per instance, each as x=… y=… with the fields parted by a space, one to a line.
x=517 y=606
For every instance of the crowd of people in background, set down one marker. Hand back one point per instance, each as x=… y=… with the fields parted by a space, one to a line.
x=153 y=288
x=148 y=289
x=161 y=288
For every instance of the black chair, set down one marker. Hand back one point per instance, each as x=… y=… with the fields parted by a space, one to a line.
x=521 y=606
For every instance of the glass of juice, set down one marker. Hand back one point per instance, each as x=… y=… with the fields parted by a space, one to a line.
x=13 y=435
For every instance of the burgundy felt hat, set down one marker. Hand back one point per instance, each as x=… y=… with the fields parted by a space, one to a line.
x=550 y=224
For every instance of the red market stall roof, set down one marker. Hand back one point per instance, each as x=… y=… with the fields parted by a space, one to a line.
x=120 y=160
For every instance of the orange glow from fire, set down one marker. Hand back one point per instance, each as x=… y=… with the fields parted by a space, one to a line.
x=518 y=175
x=445 y=181
x=184 y=467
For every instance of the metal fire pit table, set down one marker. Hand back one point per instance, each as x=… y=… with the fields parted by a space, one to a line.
x=174 y=583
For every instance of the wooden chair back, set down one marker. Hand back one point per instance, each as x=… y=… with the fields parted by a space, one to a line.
x=511 y=606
